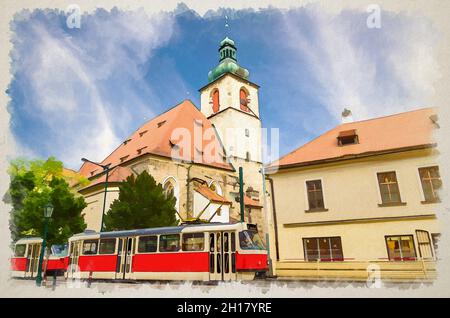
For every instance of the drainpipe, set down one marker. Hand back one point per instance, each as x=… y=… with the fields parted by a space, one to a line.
x=275 y=223
x=241 y=193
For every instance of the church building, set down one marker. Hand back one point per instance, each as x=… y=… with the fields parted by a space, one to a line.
x=195 y=153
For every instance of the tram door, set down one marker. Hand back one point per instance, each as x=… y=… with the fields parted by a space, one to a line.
x=125 y=252
x=222 y=256
x=74 y=254
x=33 y=254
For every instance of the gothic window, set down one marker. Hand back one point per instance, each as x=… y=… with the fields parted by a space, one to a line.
x=243 y=97
x=169 y=189
x=215 y=100
x=214 y=186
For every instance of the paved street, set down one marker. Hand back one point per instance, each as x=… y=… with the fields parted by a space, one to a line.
x=255 y=288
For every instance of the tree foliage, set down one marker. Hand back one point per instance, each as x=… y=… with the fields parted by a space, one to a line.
x=33 y=184
x=142 y=203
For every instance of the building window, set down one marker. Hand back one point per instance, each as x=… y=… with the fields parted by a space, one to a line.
x=324 y=249
x=147 y=244
x=424 y=242
x=315 y=195
x=247 y=156
x=347 y=137
x=247 y=132
x=401 y=248
x=431 y=183
x=193 y=242
x=243 y=98
x=390 y=193
x=169 y=189
x=215 y=100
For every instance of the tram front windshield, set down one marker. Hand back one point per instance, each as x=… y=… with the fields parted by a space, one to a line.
x=250 y=240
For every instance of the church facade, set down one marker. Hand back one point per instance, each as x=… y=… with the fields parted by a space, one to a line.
x=194 y=153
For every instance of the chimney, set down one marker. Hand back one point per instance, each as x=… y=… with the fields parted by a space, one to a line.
x=347 y=116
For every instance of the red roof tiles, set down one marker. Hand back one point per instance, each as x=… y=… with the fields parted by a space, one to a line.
x=211 y=195
x=251 y=202
x=156 y=137
x=399 y=131
x=117 y=174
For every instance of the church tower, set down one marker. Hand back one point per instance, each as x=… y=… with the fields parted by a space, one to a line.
x=230 y=102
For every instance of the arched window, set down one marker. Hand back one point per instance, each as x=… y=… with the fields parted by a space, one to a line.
x=215 y=100
x=243 y=97
x=170 y=187
x=215 y=186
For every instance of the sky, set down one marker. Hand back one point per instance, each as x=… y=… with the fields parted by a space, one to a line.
x=79 y=92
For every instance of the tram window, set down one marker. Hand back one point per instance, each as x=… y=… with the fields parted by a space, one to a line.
x=193 y=242
x=90 y=247
x=225 y=242
x=250 y=240
x=233 y=242
x=211 y=242
x=107 y=246
x=169 y=243
x=20 y=250
x=148 y=244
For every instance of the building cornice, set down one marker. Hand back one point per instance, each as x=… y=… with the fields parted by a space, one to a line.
x=238 y=110
x=344 y=158
x=362 y=220
x=232 y=75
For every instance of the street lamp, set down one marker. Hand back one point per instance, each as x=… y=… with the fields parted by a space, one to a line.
x=105 y=168
x=48 y=210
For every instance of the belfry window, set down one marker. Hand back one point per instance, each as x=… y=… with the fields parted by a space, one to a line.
x=243 y=98
x=215 y=101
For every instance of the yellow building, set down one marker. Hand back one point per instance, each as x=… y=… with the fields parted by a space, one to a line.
x=360 y=201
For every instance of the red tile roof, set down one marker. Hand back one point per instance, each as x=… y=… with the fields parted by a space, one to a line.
x=211 y=195
x=251 y=202
x=154 y=137
x=399 y=131
x=117 y=174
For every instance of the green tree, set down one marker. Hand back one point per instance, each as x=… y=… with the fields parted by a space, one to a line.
x=34 y=184
x=142 y=203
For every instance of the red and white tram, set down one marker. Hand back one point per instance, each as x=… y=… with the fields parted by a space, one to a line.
x=25 y=261
x=211 y=251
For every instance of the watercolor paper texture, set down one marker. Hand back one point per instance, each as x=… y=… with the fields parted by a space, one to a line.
x=78 y=78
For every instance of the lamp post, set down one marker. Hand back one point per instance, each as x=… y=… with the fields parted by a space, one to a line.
x=106 y=169
x=48 y=210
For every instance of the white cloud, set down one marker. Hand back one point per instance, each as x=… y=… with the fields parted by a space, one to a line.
x=71 y=80
x=373 y=72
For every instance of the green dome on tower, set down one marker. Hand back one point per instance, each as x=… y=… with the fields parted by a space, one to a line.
x=227 y=62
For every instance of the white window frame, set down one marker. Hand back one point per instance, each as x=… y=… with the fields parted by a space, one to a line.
x=397 y=175
x=429 y=165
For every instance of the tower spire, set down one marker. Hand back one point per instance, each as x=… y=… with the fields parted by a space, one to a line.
x=227 y=61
